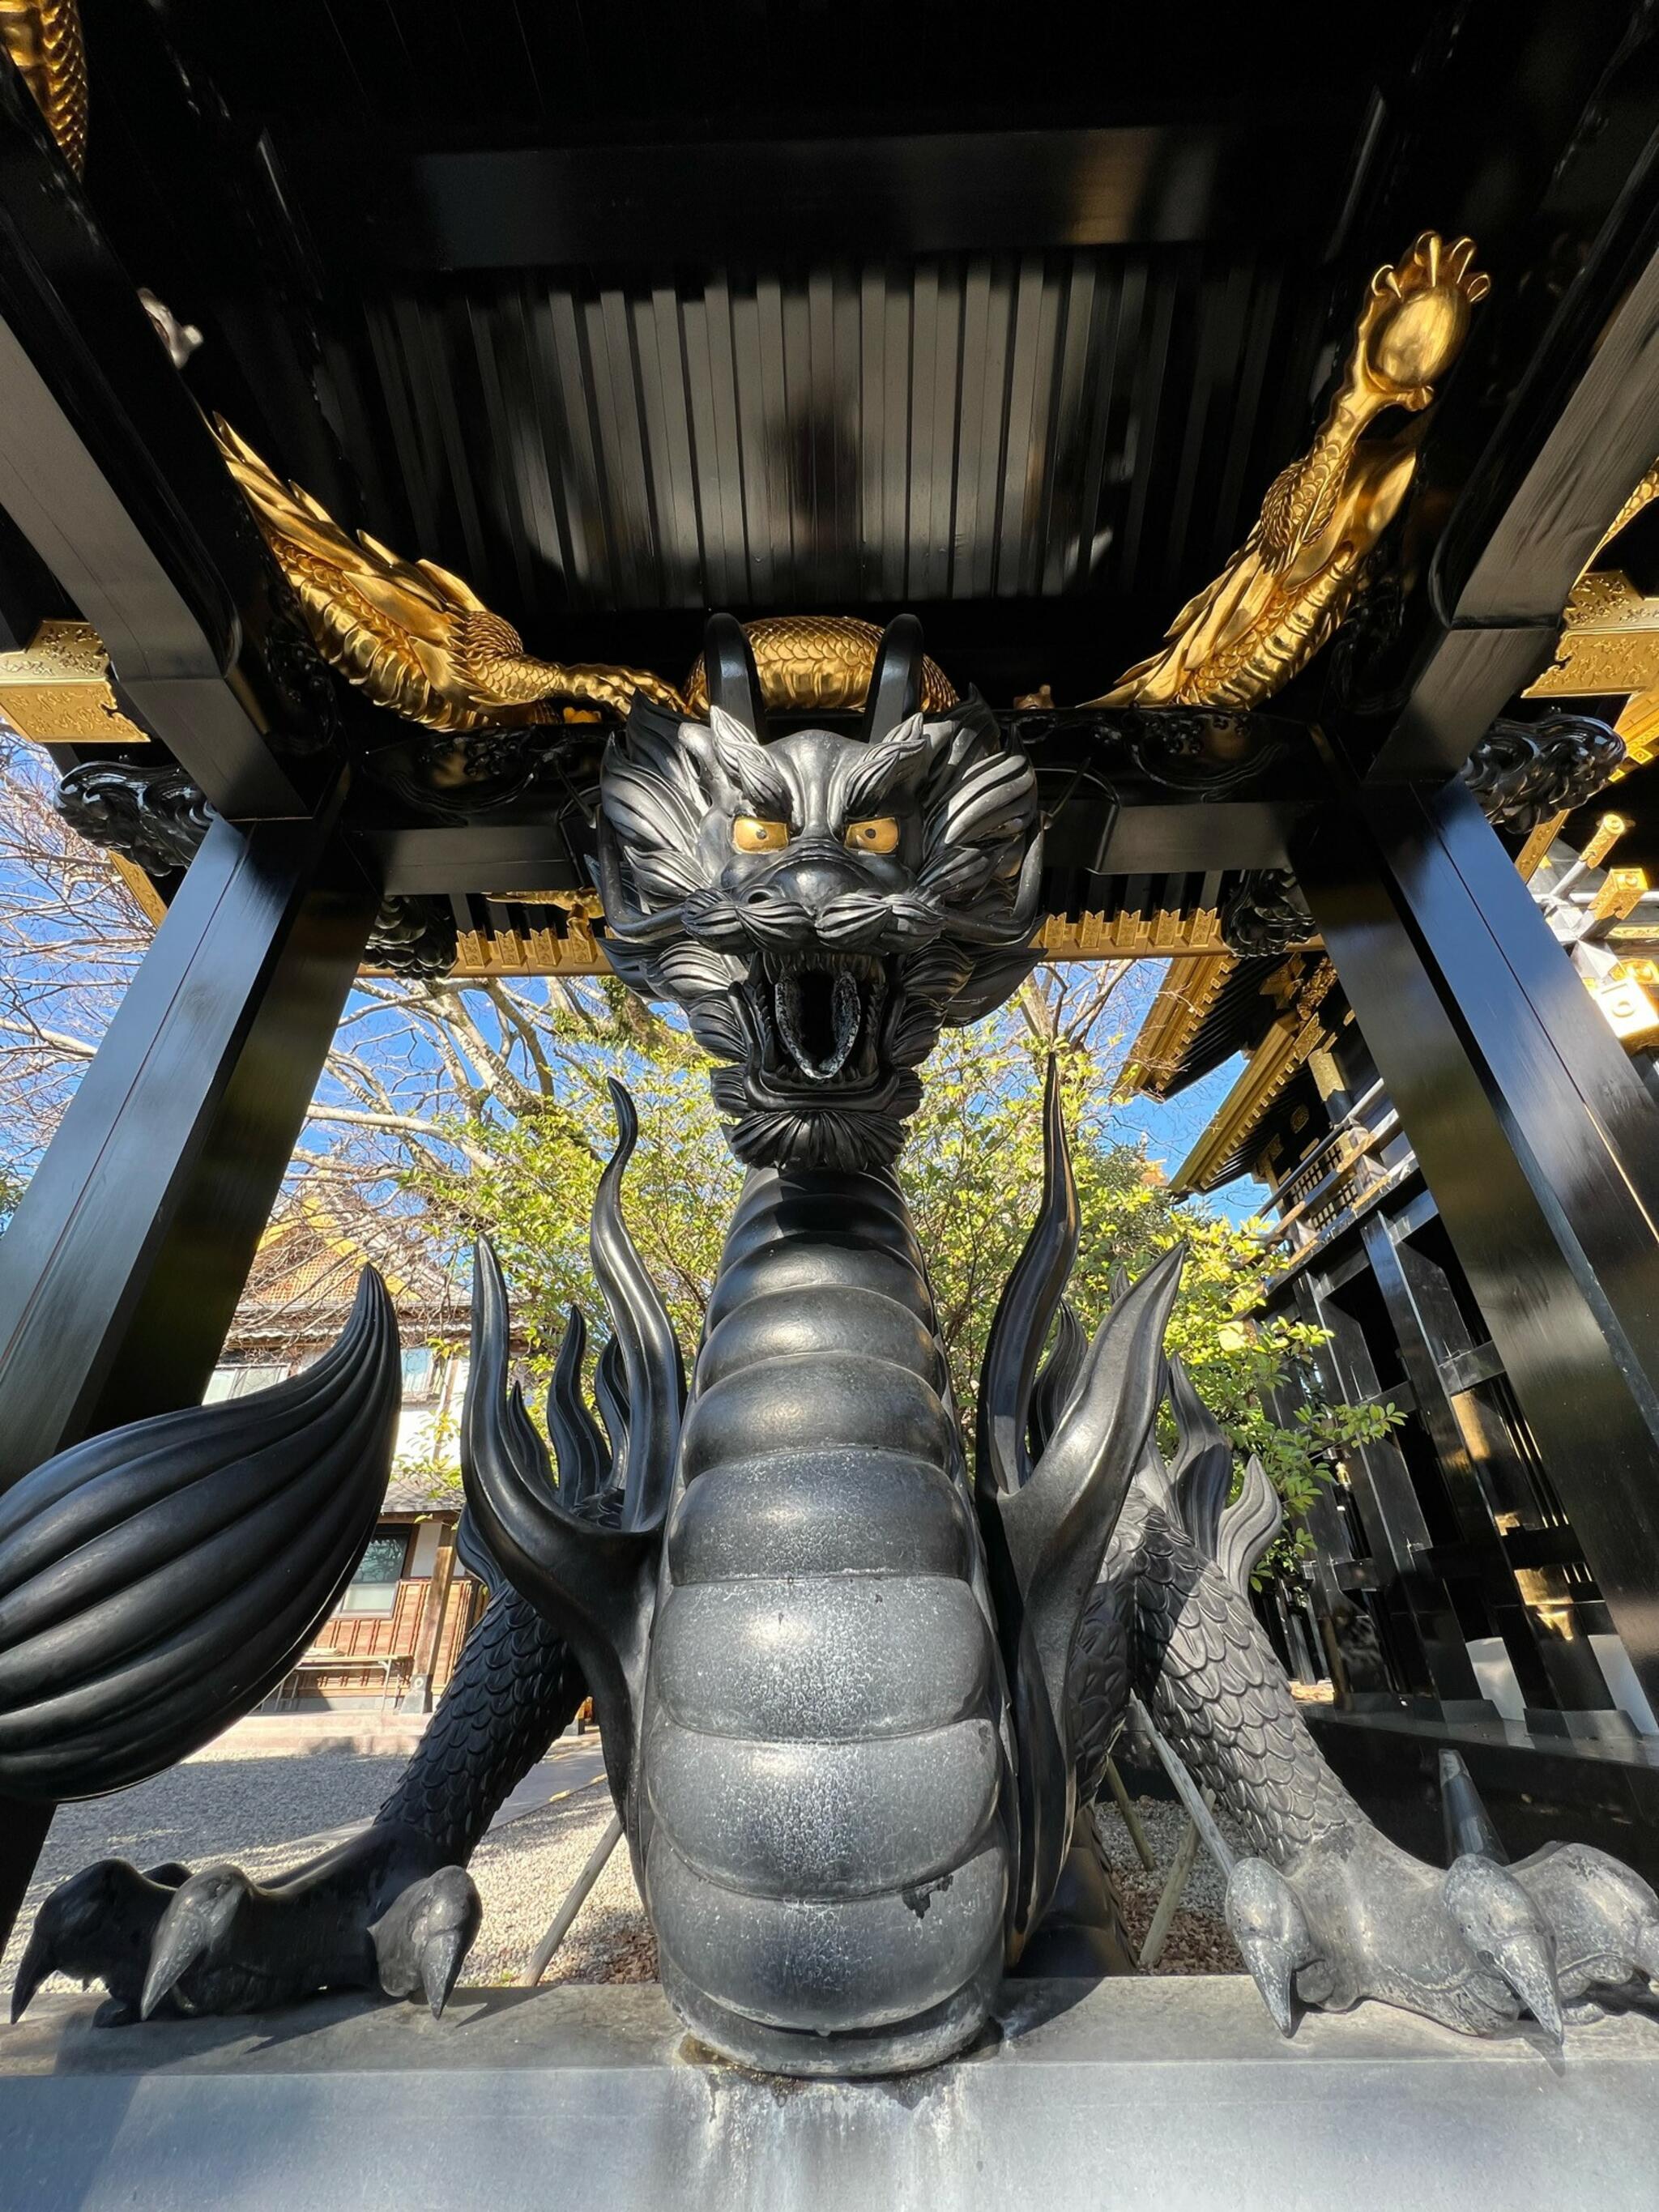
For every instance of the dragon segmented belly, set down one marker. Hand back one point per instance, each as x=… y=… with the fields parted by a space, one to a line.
x=825 y=1802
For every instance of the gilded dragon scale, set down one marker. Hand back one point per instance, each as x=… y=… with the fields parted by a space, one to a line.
x=851 y=1698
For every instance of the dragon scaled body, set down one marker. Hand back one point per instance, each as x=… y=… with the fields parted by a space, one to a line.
x=851 y=1698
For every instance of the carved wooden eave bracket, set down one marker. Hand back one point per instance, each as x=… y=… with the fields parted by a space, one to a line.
x=57 y=691
x=1297 y=1031
x=1609 y=648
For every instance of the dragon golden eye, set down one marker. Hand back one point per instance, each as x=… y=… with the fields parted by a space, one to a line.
x=751 y=833
x=878 y=835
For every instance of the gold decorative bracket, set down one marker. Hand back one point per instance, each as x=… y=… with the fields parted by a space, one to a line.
x=58 y=692
x=1609 y=648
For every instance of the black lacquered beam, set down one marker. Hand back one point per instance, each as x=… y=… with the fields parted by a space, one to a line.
x=109 y=471
x=1581 y=430
x=1537 y=1138
x=129 y=1249
x=1267 y=176
x=1152 y=792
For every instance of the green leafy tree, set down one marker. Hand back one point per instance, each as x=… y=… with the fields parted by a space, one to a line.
x=972 y=1171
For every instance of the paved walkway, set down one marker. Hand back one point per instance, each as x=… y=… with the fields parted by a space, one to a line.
x=575 y=1762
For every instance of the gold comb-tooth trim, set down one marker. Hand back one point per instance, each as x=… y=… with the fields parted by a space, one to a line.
x=1157 y=936
x=580 y=950
x=483 y=953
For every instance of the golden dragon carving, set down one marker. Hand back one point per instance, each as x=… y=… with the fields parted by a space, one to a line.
x=1287 y=589
x=817 y=664
x=43 y=38
x=408 y=634
x=418 y=641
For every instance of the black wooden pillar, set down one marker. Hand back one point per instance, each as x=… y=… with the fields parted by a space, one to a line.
x=125 y=1260
x=1536 y=1137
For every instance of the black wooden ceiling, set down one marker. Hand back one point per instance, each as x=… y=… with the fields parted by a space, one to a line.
x=1010 y=315
x=1007 y=315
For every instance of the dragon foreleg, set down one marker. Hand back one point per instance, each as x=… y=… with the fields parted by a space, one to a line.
x=514 y=1690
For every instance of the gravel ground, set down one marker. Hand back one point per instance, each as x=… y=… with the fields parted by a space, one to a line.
x=1198 y=1941
x=256 y=1810
x=523 y=1871
x=248 y=1809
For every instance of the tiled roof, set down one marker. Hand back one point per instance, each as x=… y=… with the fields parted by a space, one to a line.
x=418 y=1494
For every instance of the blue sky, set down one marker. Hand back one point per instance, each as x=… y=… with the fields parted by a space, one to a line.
x=1171 y=1129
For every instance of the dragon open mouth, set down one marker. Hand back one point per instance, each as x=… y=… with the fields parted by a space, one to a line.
x=817 y=1016
x=820 y=1015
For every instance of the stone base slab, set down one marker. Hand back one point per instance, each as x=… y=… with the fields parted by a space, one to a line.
x=1164 y=2093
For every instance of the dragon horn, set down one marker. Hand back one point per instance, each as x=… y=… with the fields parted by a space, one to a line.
x=732 y=680
x=895 y=692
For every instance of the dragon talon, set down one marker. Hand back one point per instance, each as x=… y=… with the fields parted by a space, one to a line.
x=1266 y=1919
x=441 y=1962
x=37 y=1962
x=420 y=1942
x=1503 y=1929
x=198 y=1919
x=96 y=1926
x=1275 y=1979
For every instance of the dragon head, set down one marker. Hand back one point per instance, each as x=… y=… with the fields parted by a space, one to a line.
x=821 y=904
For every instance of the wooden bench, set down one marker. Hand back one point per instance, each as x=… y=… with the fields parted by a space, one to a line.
x=324 y=1659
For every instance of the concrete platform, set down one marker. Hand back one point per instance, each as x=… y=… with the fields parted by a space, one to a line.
x=1160 y=2093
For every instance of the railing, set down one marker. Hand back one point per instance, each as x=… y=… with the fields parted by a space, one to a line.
x=1335 y=1175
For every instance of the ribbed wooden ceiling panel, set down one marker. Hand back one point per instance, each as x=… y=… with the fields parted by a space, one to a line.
x=964 y=427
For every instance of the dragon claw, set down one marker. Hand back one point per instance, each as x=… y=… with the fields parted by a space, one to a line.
x=371 y=1908
x=38 y=1963
x=1266 y=1921
x=420 y=1942
x=441 y=1962
x=97 y=1926
x=195 y=1923
x=1508 y=1935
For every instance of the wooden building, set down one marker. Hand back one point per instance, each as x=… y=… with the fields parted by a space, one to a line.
x=393 y=1640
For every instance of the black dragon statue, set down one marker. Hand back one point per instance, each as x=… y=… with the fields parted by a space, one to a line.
x=851 y=1698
